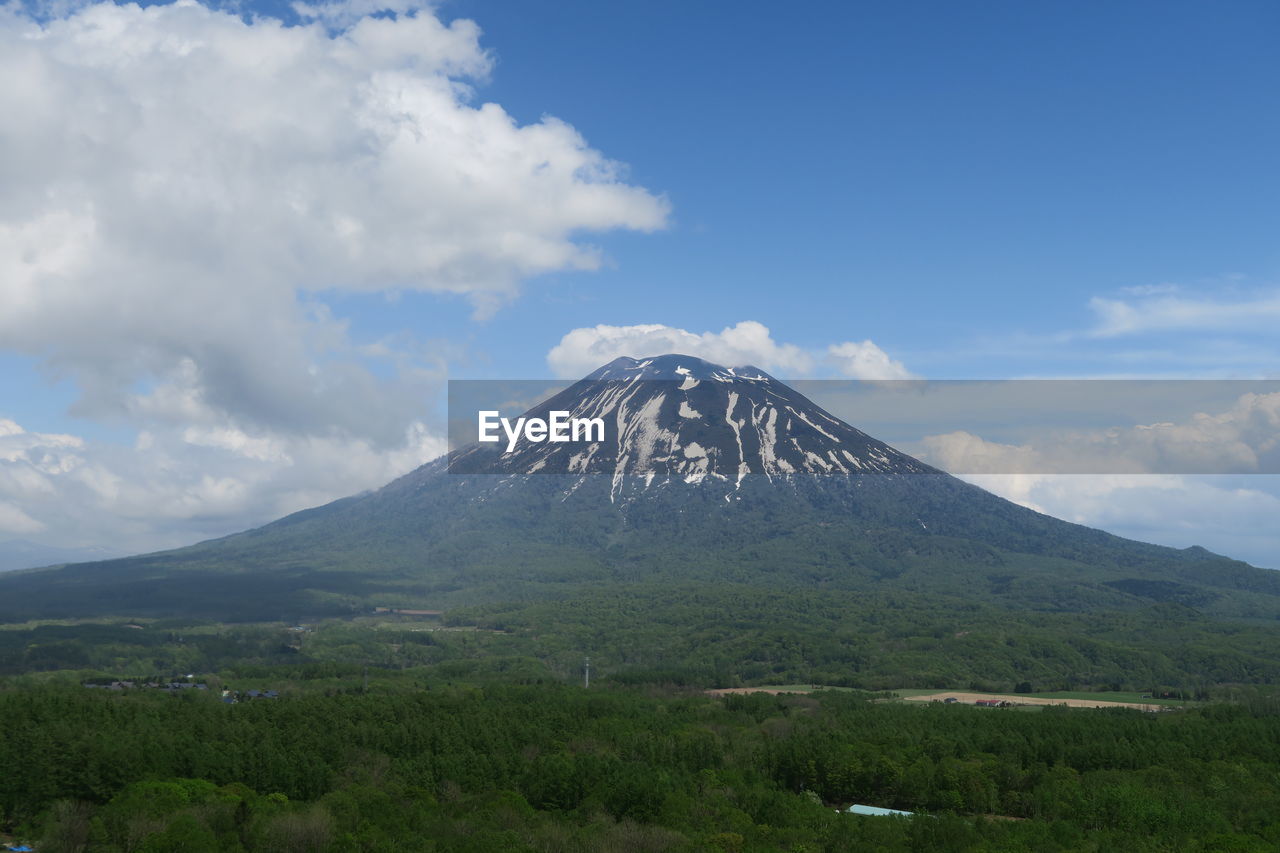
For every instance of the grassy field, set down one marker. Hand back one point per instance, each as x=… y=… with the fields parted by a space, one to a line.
x=1084 y=695
x=1100 y=696
x=789 y=688
x=1113 y=696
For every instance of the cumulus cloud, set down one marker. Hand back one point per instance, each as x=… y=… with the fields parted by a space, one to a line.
x=865 y=360
x=343 y=13
x=177 y=180
x=748 y=342
x=583 y=350
x=183 y=190
x=175 y=487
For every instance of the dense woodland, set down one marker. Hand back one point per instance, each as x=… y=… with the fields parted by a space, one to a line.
x=709 y=635
x=462 y=732
x=547 y=767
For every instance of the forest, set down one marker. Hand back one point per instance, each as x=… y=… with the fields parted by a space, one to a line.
x=470 y=730
x=542 y=766
x=705 y=635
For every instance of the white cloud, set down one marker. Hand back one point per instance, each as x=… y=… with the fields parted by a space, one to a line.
x=1215 y=329
x=1244 y=439
x=1180 y=511
x=1150 y=482
x=583 y=350
x=14 y=520
x=1157 y=310
x=177 y=180
x=748 y=342
x=183 y=186
x=165 y=492
x=865 y=360
x=343 y=13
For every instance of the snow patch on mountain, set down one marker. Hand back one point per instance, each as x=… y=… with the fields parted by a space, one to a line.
x=676 y=419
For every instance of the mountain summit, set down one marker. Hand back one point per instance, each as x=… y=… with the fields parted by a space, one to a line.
x=679 y=418
x=724 y=477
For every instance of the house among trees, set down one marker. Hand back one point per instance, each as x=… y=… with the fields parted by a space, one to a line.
x=231 y=697
x=170 y=686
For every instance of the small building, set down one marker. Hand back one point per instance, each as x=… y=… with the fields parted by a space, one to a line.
x=876 y=811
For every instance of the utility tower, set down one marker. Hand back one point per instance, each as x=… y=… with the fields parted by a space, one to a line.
x=586 y=673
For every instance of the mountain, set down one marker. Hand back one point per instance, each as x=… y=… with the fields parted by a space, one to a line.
x=705 y=475
x=681 y=418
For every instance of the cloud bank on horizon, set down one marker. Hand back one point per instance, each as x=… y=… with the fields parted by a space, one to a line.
x=1233 y=515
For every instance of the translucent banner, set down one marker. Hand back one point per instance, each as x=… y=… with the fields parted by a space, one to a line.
x=728 y=424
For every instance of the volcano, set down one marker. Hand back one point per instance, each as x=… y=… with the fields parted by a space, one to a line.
x=704 y=474
x=678 y=418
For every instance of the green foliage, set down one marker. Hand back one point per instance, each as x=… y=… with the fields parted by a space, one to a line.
x=549 y=767
x=694 y=634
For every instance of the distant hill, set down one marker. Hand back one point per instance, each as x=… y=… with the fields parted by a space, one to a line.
x=22 y=554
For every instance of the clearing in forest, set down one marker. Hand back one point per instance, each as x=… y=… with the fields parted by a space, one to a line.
x=1028 y=699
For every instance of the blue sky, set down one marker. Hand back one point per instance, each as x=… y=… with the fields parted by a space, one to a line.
x=942 y=180
x=245 y=300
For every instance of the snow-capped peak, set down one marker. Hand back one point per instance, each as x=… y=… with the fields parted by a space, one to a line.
x=677 y=418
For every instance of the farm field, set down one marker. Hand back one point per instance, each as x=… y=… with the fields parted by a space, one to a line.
x=772 y=689
x=1074 y=699
x=1116 y=696
x=1031 y=699
x=775 y=689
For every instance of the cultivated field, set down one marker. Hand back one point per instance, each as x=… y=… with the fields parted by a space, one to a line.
x=771 y=689
x=1025 y=700
x=1029 y=699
